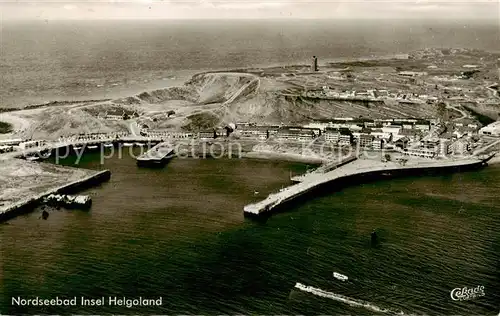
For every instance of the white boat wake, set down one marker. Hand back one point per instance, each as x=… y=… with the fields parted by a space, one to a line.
x=345 y=299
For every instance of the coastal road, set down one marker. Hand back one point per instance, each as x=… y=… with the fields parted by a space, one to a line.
x=492 y=92
x=244 y=87
x=464 y=114
x=134 y=129
x=483 y=149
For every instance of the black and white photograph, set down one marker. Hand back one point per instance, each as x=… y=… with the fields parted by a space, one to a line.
x=245 y=157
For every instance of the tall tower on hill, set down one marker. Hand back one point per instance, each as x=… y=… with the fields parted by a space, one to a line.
x=498 y=69
x=314 y=64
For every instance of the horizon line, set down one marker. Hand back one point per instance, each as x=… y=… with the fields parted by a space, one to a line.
x=254 y=18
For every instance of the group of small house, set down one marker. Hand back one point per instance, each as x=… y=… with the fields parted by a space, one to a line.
x=413 y=137
x=342 y=131
x=89 y=137
x=166 y=134
x=8 y=145
x=438 y=147
x=371 y=95
x=125 y=115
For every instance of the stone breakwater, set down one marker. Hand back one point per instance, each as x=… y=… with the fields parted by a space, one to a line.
x=356 y=172
x=25 y=184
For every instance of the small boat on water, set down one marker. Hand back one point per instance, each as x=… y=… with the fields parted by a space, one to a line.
x=77 y=147
x=32 y=158
x=139 y=144
x=108 y=145
x=93 y=147
x=340 y=277
x=128 y=144
x=68 y=201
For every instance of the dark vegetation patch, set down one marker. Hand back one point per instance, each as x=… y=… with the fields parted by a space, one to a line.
x=5 y=128
x=483 y=119
x=201 y=121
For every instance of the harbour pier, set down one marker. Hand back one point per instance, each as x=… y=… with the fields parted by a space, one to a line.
x=159 y=155
x=358 y=170
x=324 y=168
x=28 y=204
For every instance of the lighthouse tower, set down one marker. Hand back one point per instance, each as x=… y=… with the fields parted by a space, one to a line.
x=314 y=64
x=498 y=69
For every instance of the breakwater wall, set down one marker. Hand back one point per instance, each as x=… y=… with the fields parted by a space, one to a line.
x=325 y=168
x=27 y=205
x=337 y=179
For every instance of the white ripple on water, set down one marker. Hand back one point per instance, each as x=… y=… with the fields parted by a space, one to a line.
x=345 y=299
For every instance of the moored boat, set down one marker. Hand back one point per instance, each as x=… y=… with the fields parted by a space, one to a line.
x=340 y=277
x=156 y=156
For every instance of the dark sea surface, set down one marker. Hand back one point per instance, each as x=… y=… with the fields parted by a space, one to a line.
x=179 y=233
x=75 y=60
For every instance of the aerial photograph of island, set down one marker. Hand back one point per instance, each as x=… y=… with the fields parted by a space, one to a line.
x=200 y=157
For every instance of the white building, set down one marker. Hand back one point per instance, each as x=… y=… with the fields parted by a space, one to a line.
x=460 y=147
x=10 y=142
x=420 y=152
x=412 y=73
x=391 y=129
x=493 y=129
x=444 y=147
x=320 y=126
x=32 y=144
x=378 y=144
x=332 y=135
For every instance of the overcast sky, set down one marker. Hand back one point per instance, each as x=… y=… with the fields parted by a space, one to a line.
x=246 y=9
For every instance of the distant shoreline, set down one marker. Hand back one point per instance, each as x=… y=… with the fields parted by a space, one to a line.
x=179 y=78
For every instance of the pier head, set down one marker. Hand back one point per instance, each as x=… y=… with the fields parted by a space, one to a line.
x=355 y=172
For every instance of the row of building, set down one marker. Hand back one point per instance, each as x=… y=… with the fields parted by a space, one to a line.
x=117 y=117
x=439 y=147
x=86 y=137
x=372 y=95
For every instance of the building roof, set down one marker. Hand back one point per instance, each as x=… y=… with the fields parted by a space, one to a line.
x=256 y=128
x=345 y=131
x=446 y=135
x=332 y=130
x=3 y=141
x=409 y=132
x=299 y=128
x=295 y=131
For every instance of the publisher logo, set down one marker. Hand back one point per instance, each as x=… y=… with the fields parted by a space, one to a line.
x=465 y=294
